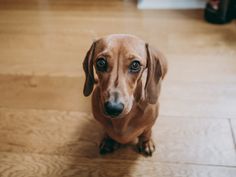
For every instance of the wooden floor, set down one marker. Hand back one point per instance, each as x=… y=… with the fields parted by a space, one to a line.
x=46 y=126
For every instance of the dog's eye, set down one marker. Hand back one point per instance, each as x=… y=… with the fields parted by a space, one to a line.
x=135 y=67
x=101 y=65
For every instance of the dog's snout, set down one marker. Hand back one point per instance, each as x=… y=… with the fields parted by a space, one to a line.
x=113 y=108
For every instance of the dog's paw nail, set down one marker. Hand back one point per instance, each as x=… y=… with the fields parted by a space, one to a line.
x=147 y=148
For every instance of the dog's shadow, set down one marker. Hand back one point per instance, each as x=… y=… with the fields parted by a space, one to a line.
x=85 y=159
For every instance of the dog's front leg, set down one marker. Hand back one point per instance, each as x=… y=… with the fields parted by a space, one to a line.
x=145 y=143
x=108 y=145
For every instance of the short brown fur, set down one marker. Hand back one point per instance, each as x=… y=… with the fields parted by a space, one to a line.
x=138 y=92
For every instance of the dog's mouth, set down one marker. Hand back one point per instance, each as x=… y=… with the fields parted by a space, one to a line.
x=113 y=116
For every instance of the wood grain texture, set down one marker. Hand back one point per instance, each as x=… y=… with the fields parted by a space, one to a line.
x=46 y=125
x=78 y=134
x=43 y=92
x=65 y=93
x=13 y=164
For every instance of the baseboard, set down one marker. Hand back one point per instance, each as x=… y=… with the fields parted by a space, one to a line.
x=171 y=4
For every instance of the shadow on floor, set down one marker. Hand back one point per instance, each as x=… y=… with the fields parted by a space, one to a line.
x=86 y=160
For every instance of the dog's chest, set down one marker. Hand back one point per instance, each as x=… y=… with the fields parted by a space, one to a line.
x=123 y=132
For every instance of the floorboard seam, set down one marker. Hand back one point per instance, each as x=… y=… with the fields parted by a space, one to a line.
x=232 y=133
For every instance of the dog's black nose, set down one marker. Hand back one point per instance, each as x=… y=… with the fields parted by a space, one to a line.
x=113 y=108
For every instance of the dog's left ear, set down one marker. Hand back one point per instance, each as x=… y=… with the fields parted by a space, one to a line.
x=88 y=69
x=157 y=69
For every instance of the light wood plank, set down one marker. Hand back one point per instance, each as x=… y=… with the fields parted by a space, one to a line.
x=67 y=166
x=193 y=138
x=43 y=92
x=198 y=99
x=27 y=35
x=73 y=133
x=65 y=93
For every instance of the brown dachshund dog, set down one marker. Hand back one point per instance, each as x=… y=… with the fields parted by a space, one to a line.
x=128 y=81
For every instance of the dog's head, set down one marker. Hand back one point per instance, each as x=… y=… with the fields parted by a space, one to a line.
x=127 y=70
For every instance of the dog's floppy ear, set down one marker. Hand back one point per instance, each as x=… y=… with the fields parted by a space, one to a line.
x=88 y=69
x=157 y=68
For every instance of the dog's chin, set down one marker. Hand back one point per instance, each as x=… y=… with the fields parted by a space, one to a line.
x=120 y=116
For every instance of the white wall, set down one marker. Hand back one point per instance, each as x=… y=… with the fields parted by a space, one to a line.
x=171 y=4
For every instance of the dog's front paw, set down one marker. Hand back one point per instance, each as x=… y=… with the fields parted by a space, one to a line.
x=147 y=147
x=108 y=145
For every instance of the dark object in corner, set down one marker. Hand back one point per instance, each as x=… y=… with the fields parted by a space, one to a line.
x=220 y=11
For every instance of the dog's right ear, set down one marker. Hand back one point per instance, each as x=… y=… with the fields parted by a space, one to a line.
x=157 y=68
x=88 y=69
